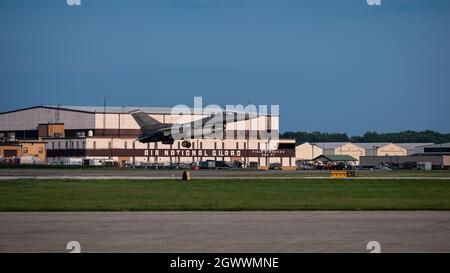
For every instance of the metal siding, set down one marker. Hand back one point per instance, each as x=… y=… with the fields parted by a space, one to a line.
x=29 y=119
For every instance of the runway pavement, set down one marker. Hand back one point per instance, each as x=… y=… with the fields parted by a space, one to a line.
x=424 y=231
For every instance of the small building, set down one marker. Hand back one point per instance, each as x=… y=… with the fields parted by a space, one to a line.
x=411 y=148
x=406 y=162
x=51 y=130
x=29 y=151
x=434 y=149
x=309 y=151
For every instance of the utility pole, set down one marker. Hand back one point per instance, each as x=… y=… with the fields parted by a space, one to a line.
x=57 y=113
x=249 y=130
x=104 y=116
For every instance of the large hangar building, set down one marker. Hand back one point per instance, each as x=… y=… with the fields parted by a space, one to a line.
x=110 y=133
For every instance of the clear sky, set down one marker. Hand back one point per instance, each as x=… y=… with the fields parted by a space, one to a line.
x=337 y=66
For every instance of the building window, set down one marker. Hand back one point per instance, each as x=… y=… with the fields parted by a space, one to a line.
x=125 y=145
x=53 y=145
x=95 y=145
x=134 y=145
x=25 y=150
x=40 y=150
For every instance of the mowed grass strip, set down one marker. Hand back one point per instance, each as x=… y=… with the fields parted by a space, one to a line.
x=223 y=195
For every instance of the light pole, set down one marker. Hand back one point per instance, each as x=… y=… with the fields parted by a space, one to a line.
x=313 y=144
x=375 y=148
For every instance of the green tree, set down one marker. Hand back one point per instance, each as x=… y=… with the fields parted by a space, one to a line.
x=400 y=137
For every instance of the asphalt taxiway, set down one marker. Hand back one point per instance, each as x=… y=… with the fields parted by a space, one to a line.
x=143 y=174
x=424 y=231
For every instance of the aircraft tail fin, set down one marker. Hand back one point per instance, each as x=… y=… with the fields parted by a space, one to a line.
x=143 y=119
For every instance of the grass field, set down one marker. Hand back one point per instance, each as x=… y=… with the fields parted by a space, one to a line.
x=213 y=195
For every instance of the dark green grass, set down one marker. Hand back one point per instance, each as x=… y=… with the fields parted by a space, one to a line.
x=223 y=195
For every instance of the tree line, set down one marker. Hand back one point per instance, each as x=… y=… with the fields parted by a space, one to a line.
x=401 y=137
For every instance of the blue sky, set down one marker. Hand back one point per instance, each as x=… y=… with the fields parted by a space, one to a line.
x=336 y=66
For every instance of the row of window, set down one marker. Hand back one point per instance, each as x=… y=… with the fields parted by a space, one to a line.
x=437 y=150
x=82 y=145
x=200 y=145
x=68 y=145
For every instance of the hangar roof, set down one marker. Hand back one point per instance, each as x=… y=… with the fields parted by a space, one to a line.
x=335 y=158
x=442 y=145
x=109 y=109
x=371 y=145
x=411 y=146
x=113 y=109
x=330 y=145
x=99 y=109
